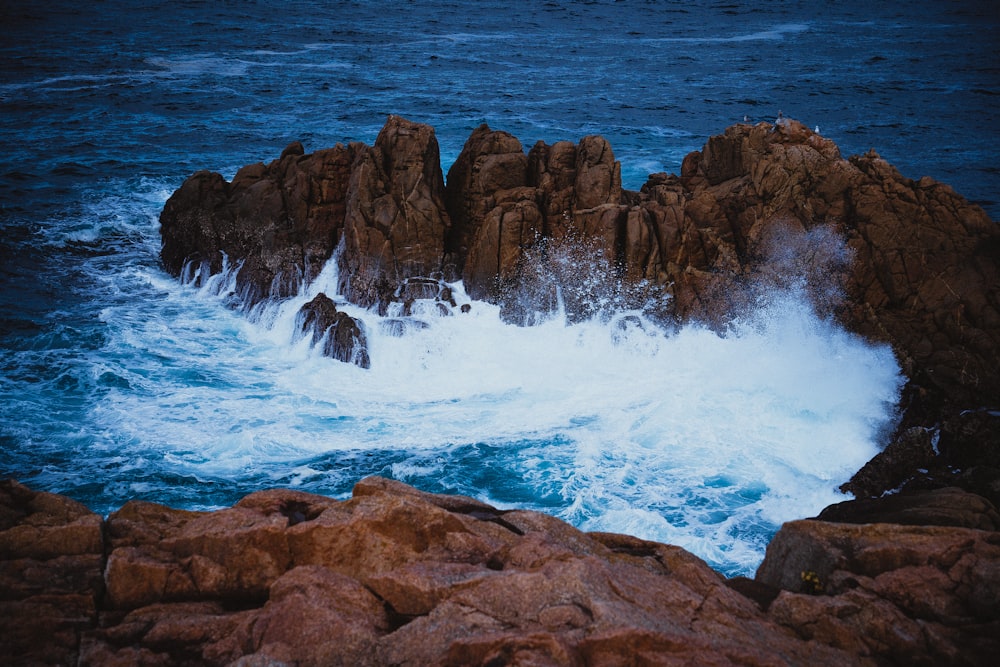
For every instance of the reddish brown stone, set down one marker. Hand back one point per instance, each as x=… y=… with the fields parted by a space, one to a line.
x=396 y=222
x=398 y=576
x=341 y=335
x=51 y=564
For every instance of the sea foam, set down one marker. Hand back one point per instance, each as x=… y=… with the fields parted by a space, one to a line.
x=702 y=438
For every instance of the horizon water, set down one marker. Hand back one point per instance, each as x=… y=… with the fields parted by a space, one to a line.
x=118 y=381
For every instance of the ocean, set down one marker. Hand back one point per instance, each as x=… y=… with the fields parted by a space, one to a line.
x=119 y=382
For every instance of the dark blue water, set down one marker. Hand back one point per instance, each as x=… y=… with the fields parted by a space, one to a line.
x=116 y=382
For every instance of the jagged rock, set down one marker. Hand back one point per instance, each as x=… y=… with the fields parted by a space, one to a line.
x=342 y=336
x=910 y=451
x=491 y=166
x=962 y=451
x=970 y=452
x=909 y=263
x=503 y=204
x=396 y=222
x=278 y=223
x=924 y=271
x=495 y=213
x=939 y=507
x=915 y=595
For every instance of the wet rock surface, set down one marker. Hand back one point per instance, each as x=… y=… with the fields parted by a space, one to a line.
x=397 y=576
x=341 y=336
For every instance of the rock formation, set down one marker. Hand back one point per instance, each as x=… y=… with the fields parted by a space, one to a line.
x=909 y=263
x=397 y=576
x=342 y=336
x=396 y=222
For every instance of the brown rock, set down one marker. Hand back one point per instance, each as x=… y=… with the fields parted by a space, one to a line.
x=277 y=223
x=759 y=207
x=495 y=214
x=399 y=576
x=909 y=452
x=51 y=562
x=940 y=507
x=490 y=162
x=924 y=270
x=552 y=169
x=396 y=221
x=906 y=594
x=342 y=336
x=598 y=174
x=232 y=555
x=317 y=617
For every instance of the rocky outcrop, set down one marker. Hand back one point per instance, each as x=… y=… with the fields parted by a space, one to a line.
x=759 y=206
x=922 y=272
x=396 y=222
x=398 y=576
x=898 y=595
x=495 y=213
x=275 y=224
x=762 y=207
x=341 y=336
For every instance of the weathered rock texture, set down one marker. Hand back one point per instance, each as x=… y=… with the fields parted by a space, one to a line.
x=397 y=576
x=51 y=565
x=340 y=334
x=396 y=220
x=903 y=595
x=278 y=222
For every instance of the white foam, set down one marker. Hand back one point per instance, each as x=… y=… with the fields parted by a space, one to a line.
x=775 y=33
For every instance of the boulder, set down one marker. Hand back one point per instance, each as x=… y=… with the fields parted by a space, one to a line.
x=342 y=337
x=51 y=566
x=894 y=594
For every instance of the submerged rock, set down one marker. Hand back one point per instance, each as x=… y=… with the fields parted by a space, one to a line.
x=398 y=576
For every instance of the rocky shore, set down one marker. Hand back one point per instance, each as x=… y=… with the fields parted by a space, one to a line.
x=760 y=207
x=395 y=576
x=906 y=574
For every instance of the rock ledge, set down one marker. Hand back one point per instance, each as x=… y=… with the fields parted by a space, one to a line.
x=395 y=576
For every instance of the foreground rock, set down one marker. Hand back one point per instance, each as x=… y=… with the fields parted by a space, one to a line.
x=397 y=576
x=51 y=585
x=904 y=595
